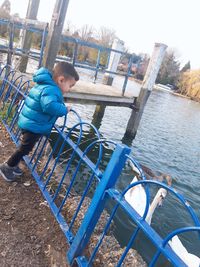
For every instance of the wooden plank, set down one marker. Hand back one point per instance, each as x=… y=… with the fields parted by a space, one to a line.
x=94 y=99
x=100 y=89
x=85 y=92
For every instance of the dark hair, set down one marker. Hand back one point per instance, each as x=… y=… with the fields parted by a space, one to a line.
x=66 y=69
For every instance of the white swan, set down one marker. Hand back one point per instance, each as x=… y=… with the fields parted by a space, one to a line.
x=190 y=259
x=136 y=197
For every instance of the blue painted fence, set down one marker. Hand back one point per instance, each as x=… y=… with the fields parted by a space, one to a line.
x=96 y=68
x=13 y=90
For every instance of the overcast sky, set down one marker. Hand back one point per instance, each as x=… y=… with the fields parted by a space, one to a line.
x=139 y=23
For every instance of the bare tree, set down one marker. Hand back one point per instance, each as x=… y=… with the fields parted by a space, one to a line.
x=5 y=6
x=86 y=32
x=106 y=36
x=70 y=29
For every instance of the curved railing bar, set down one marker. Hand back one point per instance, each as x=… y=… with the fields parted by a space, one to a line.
x=1 y=70
x=92 y=126
x=180 y=231
x=15 y=97
x=18 y=92
x=21 y=76
x=5 y=80
x=26 y=90
x=65 y=119
x=170 y=236
x=75 y=126
x=5 y=68
x=20 y=102
x=13 y=72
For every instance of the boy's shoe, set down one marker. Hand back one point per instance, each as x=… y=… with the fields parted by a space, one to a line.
x=17 y=171
x=7 y=172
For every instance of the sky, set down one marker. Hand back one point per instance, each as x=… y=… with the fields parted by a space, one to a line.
x=139 y=23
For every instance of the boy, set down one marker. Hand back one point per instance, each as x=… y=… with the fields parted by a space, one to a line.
x=43 y=105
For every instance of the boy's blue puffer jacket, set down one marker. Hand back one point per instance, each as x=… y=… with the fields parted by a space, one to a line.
x=43 y=105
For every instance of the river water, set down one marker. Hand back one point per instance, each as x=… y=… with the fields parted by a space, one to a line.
x=167 y=141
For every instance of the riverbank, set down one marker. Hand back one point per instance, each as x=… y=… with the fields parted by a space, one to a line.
x=29 y=234
x=176 y=93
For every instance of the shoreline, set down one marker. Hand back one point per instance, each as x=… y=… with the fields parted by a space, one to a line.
x=176 y=94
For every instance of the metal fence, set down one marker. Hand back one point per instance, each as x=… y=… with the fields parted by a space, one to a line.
x=96 y=67
x=58 y=164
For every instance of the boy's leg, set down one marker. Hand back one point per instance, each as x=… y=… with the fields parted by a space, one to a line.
x=28 y=141
x=9 y=169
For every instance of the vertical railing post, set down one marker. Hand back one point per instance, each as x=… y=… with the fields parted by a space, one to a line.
x=97 y=65
x=75 y=53
x=127 y=74
x=110 y=176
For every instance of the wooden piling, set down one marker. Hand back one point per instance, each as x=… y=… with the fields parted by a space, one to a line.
x=147 y=86
x=98 y=115
x=54 y=34
x=32 y=11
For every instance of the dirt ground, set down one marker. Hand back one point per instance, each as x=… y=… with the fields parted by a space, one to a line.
x=29 y=234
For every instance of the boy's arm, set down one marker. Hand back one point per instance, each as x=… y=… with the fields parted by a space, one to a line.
x=50 y=105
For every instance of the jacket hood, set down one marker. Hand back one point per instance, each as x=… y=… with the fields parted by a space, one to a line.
x=43 y=76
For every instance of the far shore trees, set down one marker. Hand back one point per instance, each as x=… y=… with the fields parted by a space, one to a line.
x=189 y=84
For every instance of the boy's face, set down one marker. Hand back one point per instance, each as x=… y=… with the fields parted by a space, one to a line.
x=65 y=84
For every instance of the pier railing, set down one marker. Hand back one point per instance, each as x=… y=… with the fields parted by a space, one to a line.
x=14 y=49
x=62 y=160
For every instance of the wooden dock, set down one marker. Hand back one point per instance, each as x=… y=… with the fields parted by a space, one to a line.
x=95 y=94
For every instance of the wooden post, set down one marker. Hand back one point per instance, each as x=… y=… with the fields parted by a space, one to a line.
x=54 y=35
x=147 y=86
x=114 y=61
x=32 y=11
x=98 y=115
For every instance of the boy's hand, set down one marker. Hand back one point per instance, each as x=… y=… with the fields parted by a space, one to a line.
x=69 y=107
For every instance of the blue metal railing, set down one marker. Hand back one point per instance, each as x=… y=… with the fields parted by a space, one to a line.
x=38 y=55
x=58 y=189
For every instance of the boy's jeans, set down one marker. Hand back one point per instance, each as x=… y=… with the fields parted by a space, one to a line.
x=28 y=141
